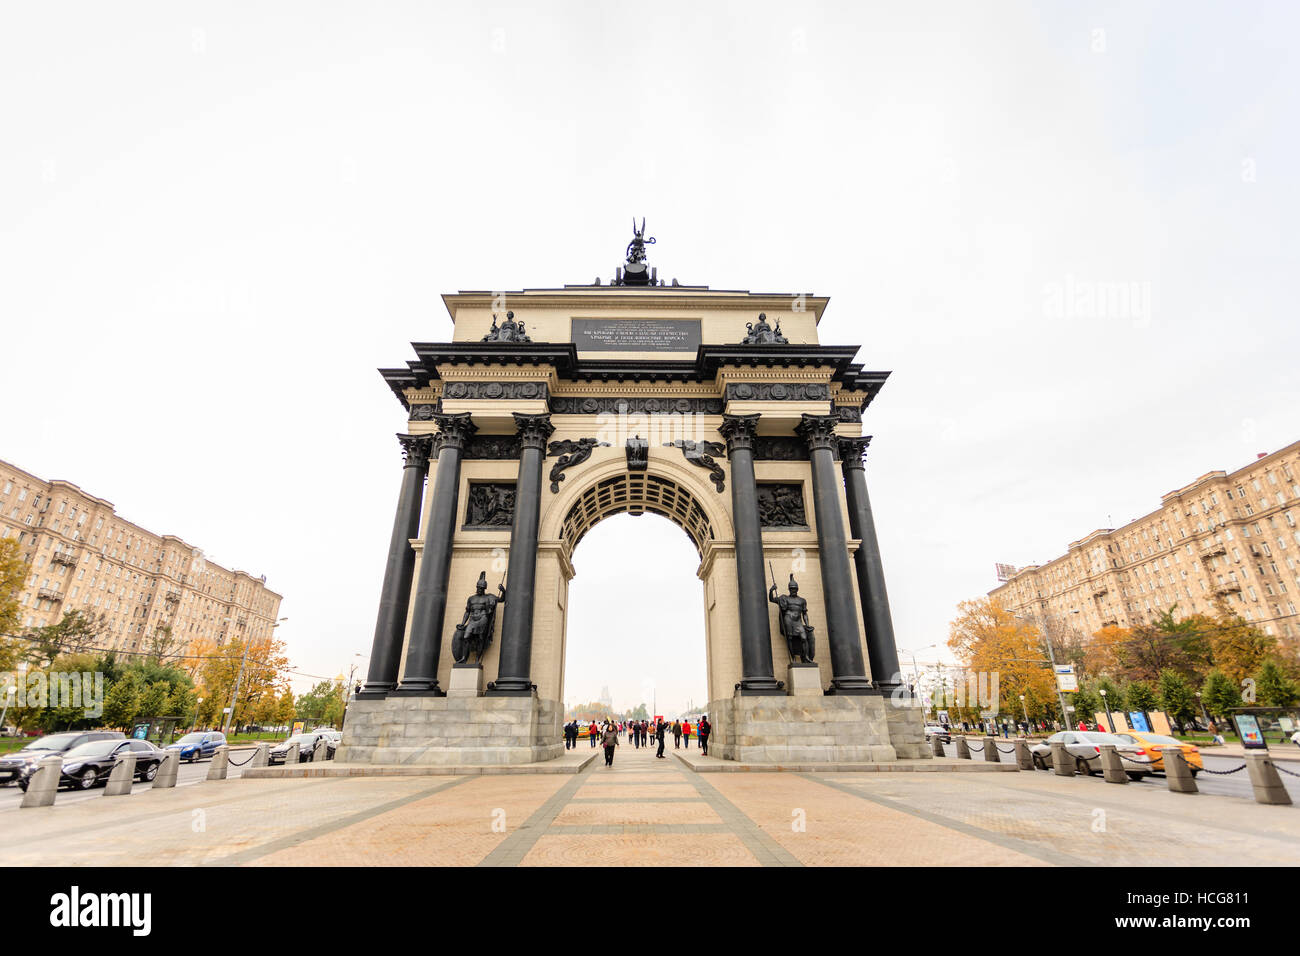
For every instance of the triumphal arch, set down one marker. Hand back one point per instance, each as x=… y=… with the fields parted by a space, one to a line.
x=546 y=410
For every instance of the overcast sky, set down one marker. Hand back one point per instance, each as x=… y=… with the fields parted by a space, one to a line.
x=216 y=221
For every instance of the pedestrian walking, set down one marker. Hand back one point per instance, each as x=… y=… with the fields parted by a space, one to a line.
x=659 y=737
x=703 y=729
x=610 y=741
x=686 y=732
x=677 y=735
x=592 y=733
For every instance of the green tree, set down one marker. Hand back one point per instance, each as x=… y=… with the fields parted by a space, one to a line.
x=74 y=633
x=122 y=702
x=1273 y=688
x=1220 y=695
x=1087 y=703
x=1176 y=697
x=153 y=702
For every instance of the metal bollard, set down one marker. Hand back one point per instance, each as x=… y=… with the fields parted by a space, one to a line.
x=291 y=756
x=263 y=756
x=1177 y=773
x=167 y=770
x=1062 y=761
x=1265 y=781
x=936 y=745
x=122 y=777
x=220 y=763
x=1112 y=768
x=991 y=754
x=1024 y=759
x=963 y=751
x=44 y=783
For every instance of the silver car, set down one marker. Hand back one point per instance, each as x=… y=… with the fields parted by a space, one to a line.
x=1085 y=747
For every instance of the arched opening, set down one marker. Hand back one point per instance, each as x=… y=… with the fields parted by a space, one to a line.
x=635 y=630
x=634 y=635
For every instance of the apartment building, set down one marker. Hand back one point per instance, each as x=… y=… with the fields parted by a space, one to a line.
x=1231 y=535
x=84 y=556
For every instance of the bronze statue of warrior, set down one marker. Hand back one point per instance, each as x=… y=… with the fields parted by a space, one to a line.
x=796 y=630
x=474 y=632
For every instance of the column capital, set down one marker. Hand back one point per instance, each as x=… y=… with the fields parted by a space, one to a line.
x=739 y=431
x=818 y=431
x=454 y=430
x=416 y=449
x=852 y=451
x=533 y=430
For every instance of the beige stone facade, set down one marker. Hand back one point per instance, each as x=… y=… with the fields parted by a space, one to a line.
x=84 y=556
x=1235 y=535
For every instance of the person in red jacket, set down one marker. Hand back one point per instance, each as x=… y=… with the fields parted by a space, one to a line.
x=686 y=733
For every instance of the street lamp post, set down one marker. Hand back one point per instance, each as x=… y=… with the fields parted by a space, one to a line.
x=1110 y=722
x=198 y=704
x=1025 y=708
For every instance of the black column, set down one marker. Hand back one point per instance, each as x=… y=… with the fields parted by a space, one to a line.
x=848 y=674
x=395 y=595
x=751 y=582
x=881 y=649
x=514 y=670
x=421 y=675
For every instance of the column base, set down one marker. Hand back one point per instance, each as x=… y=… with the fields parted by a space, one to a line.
x=373 y=692
x=860 y=686
x=761 y=687
x=511 y=687
x=417 y=688
x=799 y=730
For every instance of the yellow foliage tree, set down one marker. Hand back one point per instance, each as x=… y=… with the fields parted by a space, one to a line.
x=989 y=639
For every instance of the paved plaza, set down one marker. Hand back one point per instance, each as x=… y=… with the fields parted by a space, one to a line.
x=650 y=812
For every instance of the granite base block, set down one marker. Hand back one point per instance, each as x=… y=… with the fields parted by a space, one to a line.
x=451 y=731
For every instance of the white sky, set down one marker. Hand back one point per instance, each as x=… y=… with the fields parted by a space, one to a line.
x=216 y=220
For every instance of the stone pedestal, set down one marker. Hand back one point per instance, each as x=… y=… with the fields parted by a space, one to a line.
x=452 y=731
x=466 y=680
x=850 y=728
x=803 y=680
x=906 y=720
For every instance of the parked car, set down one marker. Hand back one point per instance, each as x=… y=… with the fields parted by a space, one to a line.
x=21 y=764
x=307 y=744
x=938 y=730
x=1152 y=743
x=90 y=764
x=198 y=745
x=1085 y=747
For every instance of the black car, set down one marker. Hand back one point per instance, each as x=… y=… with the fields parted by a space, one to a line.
x=90 y=764
x=21 y=764
x=307 y=743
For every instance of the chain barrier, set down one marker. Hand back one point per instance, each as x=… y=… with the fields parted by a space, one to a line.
x=1131 y=760
x=978 y=750
x=1001 y=751
x=1289 y=773
x=1223 y=773
x=232 y=762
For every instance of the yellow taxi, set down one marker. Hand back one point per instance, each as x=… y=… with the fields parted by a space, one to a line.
x=1151 y=743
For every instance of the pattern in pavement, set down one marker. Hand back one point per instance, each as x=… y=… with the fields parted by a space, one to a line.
x=650 y=812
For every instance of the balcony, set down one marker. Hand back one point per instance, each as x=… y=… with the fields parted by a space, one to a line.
x=49 y=594
x=1232 y=587
x=1213 y=550
x=66 y=558
x=172 y=597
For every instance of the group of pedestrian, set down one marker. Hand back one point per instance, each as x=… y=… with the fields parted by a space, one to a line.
x=640 y=733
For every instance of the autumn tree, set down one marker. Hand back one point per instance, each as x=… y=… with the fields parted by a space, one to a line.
x=1238 y=646
x=987 y=638
x=1102 y=654
x=13 y=575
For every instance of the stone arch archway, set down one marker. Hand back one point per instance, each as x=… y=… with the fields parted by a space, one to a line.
x=676 y=492
x=508 y=428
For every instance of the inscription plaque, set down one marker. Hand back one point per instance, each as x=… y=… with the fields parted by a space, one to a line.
x=636 y=335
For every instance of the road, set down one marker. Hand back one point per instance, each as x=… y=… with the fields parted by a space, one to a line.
x=1231 y=785
x=187 y=775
